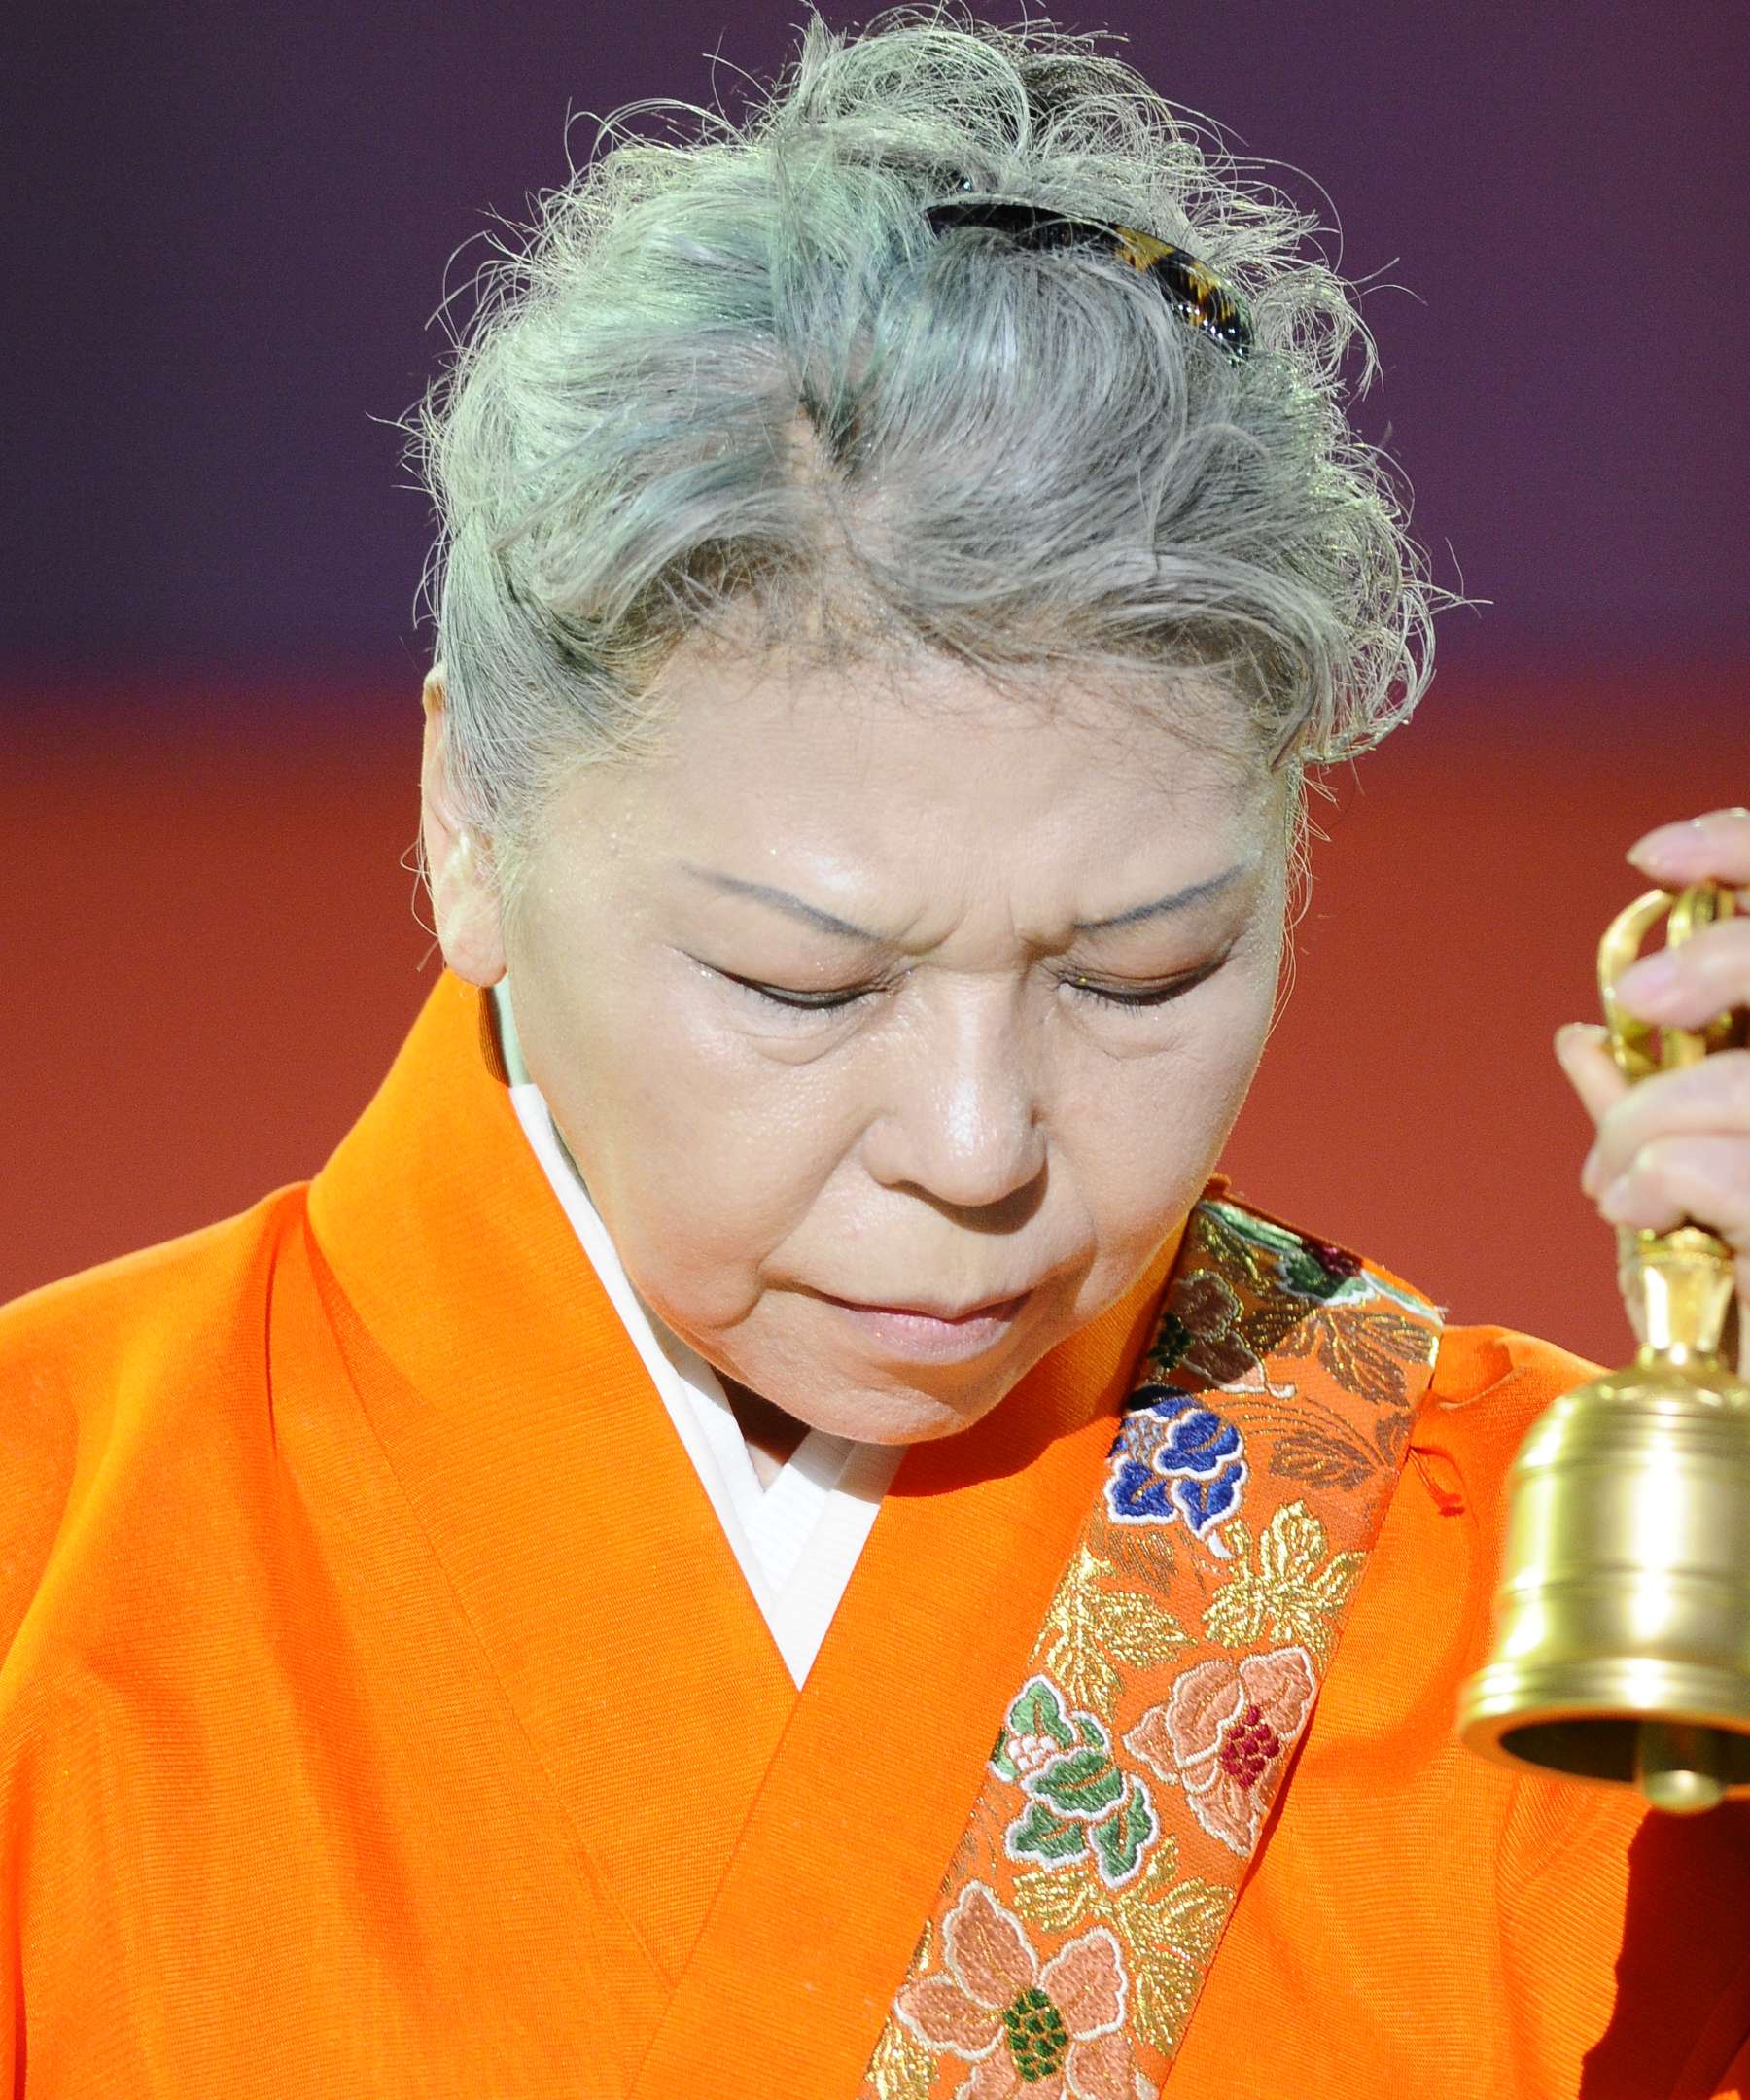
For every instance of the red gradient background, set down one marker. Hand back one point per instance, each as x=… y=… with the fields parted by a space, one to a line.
x=239 y=240
x=215 y=955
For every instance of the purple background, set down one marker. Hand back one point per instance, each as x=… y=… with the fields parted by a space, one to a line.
x=230 y=226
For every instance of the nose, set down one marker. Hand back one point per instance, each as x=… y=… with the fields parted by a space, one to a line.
x=961 y=1120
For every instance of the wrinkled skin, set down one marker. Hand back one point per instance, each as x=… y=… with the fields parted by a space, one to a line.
x=1001 y=1106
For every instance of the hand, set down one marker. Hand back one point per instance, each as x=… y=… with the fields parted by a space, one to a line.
x=1676 y=1144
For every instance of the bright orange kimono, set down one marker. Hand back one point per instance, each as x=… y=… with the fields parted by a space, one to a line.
x=383 y=1710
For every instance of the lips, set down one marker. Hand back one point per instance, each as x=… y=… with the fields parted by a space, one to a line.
x=950 y=1315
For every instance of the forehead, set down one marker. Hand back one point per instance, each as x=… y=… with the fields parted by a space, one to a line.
x=881 y=751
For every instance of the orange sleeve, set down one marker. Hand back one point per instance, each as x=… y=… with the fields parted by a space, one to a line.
x=39 y=1433
x=93 y=1369
x=1735 y=2080
x=44 y=1441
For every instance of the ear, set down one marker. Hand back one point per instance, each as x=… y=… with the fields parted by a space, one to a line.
x=459 y=870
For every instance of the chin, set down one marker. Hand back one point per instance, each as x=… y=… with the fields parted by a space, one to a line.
x=888 y=1418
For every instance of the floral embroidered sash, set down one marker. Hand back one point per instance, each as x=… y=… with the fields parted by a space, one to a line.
x=1176 y=1671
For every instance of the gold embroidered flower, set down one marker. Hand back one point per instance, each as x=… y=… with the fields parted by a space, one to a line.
x=1031 y=2032
x=1224 y=1734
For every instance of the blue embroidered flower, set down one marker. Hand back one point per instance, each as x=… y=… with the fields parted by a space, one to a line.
x=1176 y=1461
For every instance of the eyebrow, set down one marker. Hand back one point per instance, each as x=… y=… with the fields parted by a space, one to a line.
x=829 y=921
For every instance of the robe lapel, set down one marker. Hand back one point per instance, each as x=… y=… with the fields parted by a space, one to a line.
x=868 y=1792
x=767 y=1855
x=1151 y=1736
x=549 y=1481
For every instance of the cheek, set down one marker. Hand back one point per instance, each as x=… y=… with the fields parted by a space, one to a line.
x=702 y=1154
x=1146 y=1139
x=1224 y=1058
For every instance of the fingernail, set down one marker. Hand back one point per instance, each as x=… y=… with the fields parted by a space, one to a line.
x=1662 y=839
x=1590 y=1171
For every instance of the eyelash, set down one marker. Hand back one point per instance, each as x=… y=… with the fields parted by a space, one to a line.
x=836 y=1001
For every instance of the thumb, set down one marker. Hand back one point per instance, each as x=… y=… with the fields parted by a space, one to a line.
x=1583 y=1050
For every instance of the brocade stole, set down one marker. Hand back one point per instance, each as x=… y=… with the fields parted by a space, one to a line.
x=1135 y=1774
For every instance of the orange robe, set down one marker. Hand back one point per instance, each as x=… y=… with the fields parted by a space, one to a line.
x=383 y=1712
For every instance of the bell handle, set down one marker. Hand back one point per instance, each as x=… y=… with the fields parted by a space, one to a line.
x=1640 y=1047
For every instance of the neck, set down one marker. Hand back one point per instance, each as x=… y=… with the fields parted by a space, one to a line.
x=769 y=1433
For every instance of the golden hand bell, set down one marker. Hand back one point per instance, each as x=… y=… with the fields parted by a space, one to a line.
x=1622 y=1634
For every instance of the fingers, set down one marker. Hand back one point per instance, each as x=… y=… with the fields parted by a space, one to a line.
x=1712 y=848
x=1686 y=985
x=1583 y=1050
x=1699 y=1178
x=1710 y=1099
x=1676 y=1144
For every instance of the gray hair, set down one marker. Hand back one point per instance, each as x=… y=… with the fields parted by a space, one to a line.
x=742 y=373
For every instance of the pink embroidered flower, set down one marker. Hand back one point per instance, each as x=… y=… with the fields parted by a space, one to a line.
x=1224 y=1734
x=1033 y=2033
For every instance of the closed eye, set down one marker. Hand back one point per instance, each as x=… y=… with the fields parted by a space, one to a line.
x=1150 y=996
x=1127 y=997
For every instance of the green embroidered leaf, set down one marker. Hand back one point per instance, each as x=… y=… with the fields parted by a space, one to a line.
x=1298 y=1266
x=1260 y=1231
x=1038 y=1711
x=1303 y=1272
x=1120 y=1841
x=1042 y=1834
x=1085 y=1783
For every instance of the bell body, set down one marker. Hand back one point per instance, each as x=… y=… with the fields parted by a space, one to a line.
x=1622 y=1650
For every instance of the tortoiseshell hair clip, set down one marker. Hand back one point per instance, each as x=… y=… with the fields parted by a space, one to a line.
x=1189 y=286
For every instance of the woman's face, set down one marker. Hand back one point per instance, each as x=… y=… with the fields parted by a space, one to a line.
x=862 y=1009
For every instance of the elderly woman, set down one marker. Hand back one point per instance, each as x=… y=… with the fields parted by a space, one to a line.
x=768 y=1526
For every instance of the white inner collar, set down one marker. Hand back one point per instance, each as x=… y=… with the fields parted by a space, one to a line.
x=797 y=1540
